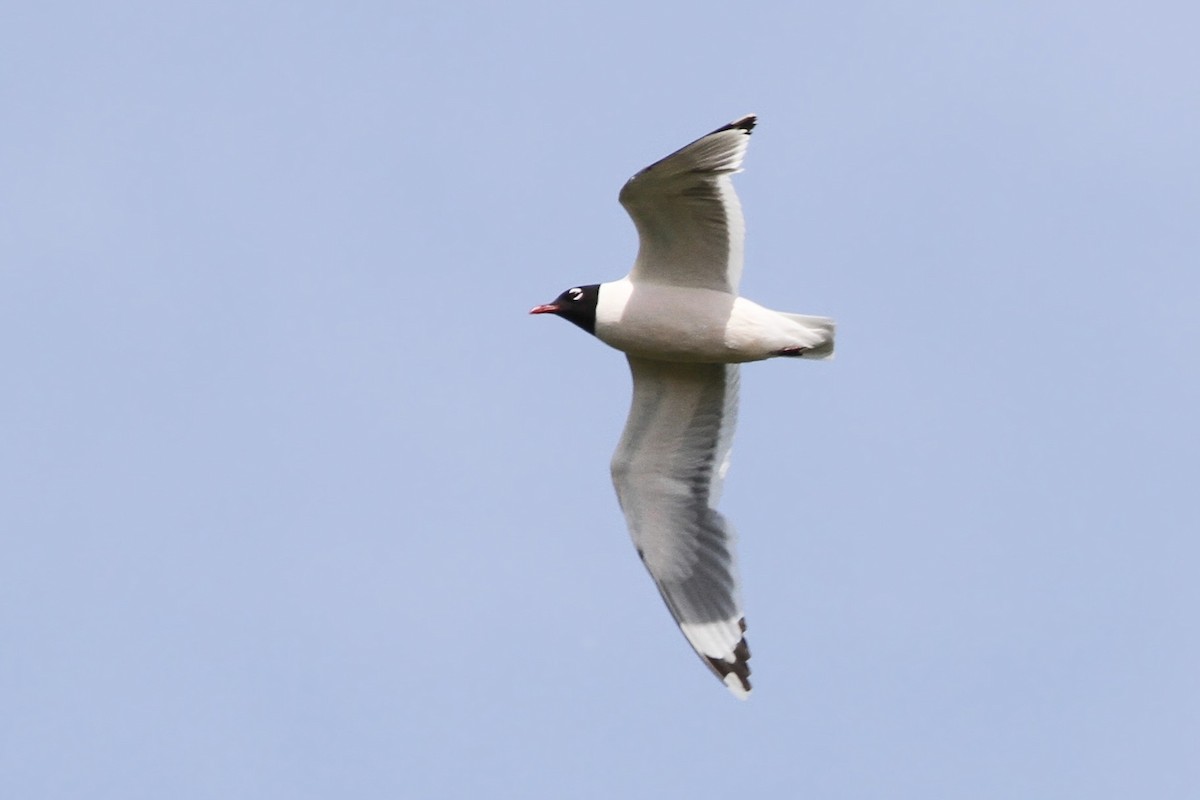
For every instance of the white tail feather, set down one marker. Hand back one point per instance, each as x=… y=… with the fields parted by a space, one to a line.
x=824 y=328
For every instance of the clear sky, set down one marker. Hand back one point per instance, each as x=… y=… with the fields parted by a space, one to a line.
x=296 y=501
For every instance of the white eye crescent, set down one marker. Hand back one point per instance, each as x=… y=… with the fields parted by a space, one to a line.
x=575 y=294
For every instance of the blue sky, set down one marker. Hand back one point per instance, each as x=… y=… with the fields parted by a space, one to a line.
x=297 y=501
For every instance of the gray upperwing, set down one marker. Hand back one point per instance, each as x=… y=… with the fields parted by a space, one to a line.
x=689 y=221
x=668 y=471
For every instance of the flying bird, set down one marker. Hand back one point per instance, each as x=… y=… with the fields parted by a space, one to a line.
x=683 y=326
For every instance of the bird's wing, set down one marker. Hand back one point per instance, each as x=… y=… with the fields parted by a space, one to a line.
x=689 y=220
x=668 y=471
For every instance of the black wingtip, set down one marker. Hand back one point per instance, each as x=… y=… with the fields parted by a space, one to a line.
x=745 y=123
x=740 y=667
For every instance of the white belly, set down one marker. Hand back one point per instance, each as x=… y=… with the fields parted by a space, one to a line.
x=670 y=323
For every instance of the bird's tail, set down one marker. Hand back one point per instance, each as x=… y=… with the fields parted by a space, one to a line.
x=822 y=330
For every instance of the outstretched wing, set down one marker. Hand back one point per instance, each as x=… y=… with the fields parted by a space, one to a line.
x=668 y=471
x=688 y=217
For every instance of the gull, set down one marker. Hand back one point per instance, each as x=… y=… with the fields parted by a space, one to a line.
x=684 y=328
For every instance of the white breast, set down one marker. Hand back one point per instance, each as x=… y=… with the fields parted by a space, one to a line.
x=672 y=323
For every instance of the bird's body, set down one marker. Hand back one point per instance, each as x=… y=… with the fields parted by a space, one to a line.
x=669 y=323
x=684 y=328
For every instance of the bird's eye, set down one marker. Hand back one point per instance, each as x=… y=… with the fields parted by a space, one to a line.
x=575 y=293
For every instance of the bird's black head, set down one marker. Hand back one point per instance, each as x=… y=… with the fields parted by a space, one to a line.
x=577 y=304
